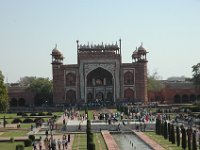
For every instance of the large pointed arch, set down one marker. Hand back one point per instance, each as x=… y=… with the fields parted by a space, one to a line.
x=99 y=77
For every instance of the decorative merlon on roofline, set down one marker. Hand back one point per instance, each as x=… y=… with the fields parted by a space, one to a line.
x=102 y=46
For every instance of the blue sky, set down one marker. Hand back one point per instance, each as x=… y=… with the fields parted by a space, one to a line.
x=29 y=29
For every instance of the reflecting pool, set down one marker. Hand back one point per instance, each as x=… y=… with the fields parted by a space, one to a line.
x=129 y=141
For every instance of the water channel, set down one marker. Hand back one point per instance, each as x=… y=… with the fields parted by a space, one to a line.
x=129 y=141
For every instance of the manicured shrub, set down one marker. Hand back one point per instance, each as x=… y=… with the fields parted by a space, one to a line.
x=49 y=114
x=19 y=113
x=194 y=141
x=189 y=134
x=24 y=114
x=33 y=114
x=12 y=140
x=55 y=117
x=28 y=120
x=165 y=130
x=27 y=142
x=19 y=147
x=91 y=146
x=31 y=137
x=38 y=120
x=184 y=141
x=178 y=135
x=172 y=134
x=41 y=114
x=16 y=120
x=169 y=131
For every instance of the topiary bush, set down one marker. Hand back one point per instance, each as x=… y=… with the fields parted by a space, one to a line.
x=27 y=142
x=28 y=120
x=19 y=147
x=31 y=137
x=38 y=120
x=91 y=146
x=49 y=114
x=24 y=114
x=41 y=114
x=33 y=114
x=19 y=113
x=12 y=140
x=16 y=120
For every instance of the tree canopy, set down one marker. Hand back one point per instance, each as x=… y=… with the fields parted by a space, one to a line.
x=196 y=75
x=3 y=94
x=153 y=82
x=26 y=80
x=42 y=87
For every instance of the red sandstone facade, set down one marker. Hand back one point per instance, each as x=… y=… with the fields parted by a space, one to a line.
x=176 y=92
x=99 y=75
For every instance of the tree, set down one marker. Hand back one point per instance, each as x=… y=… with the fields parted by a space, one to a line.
x=184 y=144
x=178 y=135
x=194 y=141
x=3 y=94
x=165 y=130
x=172 y=134
x=153 y=83
x=42 y=87
x=25 y=81
x=196 y=75
x=189 y=134
x=169 y=131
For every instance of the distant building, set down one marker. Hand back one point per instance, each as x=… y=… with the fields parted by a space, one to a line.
x=177 y=90
x=19 y=96
x=99 y=75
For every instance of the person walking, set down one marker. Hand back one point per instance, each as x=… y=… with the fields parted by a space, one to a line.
x=40 y=145
x=59 y=144
x=63 y=143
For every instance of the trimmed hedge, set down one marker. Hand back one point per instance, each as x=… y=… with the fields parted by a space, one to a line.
x=41 y=114
x=38 y=120
x=33 y=114
x=27 y=142
x=49 y=114
x=19 y=147
x=16 y=120
x=31 y=137
x=28 y=120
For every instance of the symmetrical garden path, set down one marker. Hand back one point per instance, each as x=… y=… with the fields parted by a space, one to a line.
x=110 y=142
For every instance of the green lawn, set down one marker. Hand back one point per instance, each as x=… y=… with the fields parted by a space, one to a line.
x=163 y=142
x=13 y=133
x=12 y=146
x=99 y=142
x=80 y=142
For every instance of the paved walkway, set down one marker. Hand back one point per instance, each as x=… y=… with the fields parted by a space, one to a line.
x=149 y=141
x=110 y=142
x=56 y=137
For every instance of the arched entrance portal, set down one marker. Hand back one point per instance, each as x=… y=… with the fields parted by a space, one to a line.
x=99 y=86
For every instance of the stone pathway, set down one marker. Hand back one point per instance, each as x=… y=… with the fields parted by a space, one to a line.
x=110 y=142
x=56 y=137
x=149 y=141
